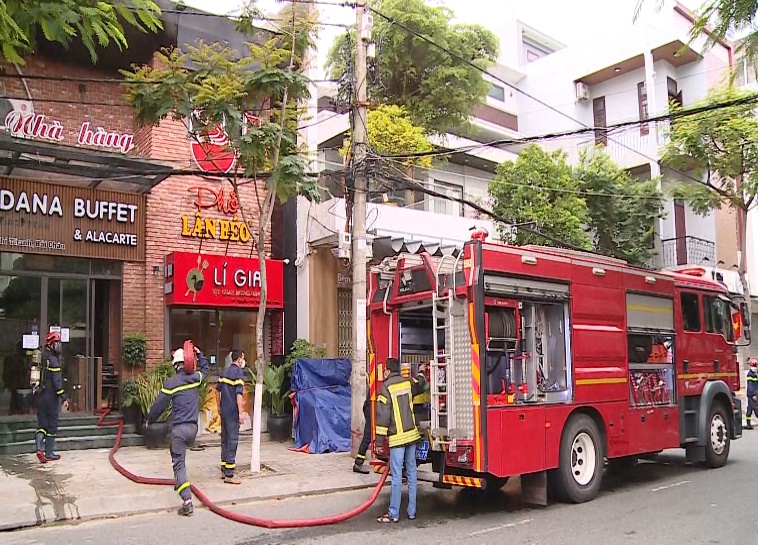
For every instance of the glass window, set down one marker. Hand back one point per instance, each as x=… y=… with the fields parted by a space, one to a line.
x=718 y=319
x=237 y=330
x=447 y=206
x=198 y=325
x=690 y=312
x=44 y=263
x=497 y=92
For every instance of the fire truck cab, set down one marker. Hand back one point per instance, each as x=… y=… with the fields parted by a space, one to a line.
x=544 y=363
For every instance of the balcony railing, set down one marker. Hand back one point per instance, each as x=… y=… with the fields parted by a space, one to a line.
x=627 y=146
x=687 y=251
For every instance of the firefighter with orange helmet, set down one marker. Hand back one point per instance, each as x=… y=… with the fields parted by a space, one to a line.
x=50 y=398
x=752 y=392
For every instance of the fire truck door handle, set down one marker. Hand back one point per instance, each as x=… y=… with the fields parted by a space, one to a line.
x=522 y=416
x=716 y=365
x=686 y=364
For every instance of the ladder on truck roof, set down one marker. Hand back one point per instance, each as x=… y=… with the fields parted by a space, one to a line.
x=451 y=391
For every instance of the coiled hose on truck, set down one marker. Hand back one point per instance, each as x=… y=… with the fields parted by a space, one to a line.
x=236 y=517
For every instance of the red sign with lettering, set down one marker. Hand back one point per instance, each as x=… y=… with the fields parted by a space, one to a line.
x=208 y=280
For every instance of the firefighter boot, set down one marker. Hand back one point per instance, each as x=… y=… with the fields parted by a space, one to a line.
x=50 y=453
x=39 y=440
x=186 y=509
x=358 y=467
x=749 y=426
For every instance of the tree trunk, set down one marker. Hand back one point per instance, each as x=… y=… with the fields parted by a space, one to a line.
x=741 y=268
x=260 y=360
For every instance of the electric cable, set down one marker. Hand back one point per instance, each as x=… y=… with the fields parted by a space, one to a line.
x=226 y=513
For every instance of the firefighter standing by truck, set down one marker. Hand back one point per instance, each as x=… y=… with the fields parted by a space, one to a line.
x=51 y=395
x=752 y=392
x=182 y=391
x=231 y=389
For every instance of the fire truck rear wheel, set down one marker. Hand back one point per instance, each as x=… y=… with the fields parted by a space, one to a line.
x=580 y=469
x=717 y=442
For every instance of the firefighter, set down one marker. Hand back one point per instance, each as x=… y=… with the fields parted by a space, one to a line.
x=231 y=389
x=182 y=391
x=50 y=398
x=360 y=458
x=396 y=430
x=752 y=392
x=421 y=395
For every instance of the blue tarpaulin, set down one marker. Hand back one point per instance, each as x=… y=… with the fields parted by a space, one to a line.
x=322 y=397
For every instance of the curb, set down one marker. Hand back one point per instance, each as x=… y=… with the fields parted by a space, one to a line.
x=20 y=526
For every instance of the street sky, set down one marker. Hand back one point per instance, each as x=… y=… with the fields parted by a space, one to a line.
x=568 y=22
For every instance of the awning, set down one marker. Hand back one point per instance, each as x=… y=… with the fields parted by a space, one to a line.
x=79 y=166
x=383 y=247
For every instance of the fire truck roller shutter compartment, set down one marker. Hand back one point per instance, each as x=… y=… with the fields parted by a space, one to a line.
x=520 y=288
x=646 y=315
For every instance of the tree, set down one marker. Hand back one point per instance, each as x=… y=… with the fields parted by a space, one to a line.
x=622 y=211
x=720 y=146
x=540 y=188
x=223 y=89
x=63 y=20
x=438 y=90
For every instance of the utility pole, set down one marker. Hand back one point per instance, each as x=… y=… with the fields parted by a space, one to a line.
x=358 y=253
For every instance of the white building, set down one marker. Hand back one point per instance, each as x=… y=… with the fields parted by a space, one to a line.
x=630 y=74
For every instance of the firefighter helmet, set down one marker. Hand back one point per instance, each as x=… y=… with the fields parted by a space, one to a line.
x=52 y=337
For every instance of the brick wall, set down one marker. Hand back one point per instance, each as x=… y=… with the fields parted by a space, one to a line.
x=103 y=104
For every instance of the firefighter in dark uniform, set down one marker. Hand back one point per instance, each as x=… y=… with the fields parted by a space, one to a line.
x=752 y=392
x=50 y=398
x=360 y=458
x=182 y=391
x=231 y=389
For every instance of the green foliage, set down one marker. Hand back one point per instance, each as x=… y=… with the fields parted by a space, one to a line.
x=95 y=22
x=721 y=146
x=623 y=211
x=135 y=349
x=273 y=382
x=302 y=349
x=392 y=132
x=540 y=187
x=439 y=91
x=149 y=385
x=131 y=393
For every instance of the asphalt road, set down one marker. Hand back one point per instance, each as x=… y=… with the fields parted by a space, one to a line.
x=659 y=503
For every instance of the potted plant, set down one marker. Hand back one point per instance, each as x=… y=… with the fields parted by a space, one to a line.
x=202 y=400
x=149 y=385
x=135 y=349
x=131 y=405
x=278 y=423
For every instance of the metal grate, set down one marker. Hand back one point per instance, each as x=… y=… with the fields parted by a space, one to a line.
x=687 y=251
x=344 y=323
x=461 y=419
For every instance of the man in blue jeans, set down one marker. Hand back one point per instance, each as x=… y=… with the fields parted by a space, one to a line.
x=396 y=429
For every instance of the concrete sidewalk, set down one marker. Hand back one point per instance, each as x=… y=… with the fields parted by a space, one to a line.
x=83 y=485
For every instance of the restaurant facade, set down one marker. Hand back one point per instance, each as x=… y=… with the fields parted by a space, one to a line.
x=98 y=239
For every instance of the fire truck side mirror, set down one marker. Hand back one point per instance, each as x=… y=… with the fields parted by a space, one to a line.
x=745 y=315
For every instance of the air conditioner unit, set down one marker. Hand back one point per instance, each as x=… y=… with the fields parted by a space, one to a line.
x=582 y=91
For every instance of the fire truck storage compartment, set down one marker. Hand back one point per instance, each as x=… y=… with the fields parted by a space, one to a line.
x=528 y=349
x=417 y=342
x=650 y=337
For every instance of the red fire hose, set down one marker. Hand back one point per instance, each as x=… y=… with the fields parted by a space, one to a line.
x=237 y=517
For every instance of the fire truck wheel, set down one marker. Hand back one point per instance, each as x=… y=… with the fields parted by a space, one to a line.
x=493 y=484
x=580 y=469
x=717 y=444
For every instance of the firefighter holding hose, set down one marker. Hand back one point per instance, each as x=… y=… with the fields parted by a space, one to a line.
x=182 y=390
x=50 y=398
x=752 y=392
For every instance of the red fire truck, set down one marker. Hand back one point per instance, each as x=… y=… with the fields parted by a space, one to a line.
x=545 y=363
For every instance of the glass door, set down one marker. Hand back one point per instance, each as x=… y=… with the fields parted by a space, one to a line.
x=20 y=318
x=68 y=312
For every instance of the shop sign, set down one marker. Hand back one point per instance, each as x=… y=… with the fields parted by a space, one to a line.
x=211 y=148
x=227 y=229
x=210 y=280
x=71 y=221
x=31 y=125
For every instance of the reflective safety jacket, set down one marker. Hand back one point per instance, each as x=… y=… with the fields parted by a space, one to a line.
x=183 y=392
x=421 y=390
x=752 y=383
x=52 y=382
x=231 y=384
x=394 y=411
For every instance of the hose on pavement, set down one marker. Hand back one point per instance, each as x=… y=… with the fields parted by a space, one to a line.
x=231 y=515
